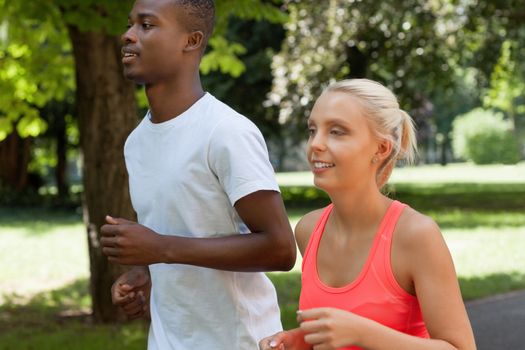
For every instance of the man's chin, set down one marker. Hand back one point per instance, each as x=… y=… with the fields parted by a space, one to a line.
x=130 y=75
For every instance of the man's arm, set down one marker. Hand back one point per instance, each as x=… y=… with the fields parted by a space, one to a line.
x=269 y=247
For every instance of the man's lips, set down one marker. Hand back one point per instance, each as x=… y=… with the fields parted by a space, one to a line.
x=128 y=53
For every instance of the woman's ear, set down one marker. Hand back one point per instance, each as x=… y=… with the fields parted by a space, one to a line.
x=195 y=41
x=384 y=149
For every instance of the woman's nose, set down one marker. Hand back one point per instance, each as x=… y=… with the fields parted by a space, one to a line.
x=317 y=142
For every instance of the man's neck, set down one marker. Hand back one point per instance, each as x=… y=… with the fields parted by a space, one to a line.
x=168 y=102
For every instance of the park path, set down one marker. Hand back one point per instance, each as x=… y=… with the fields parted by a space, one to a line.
x=499 y=321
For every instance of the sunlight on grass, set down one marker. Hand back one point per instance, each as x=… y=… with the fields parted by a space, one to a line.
x=42 y=261
x=484 y=251
x=452 y=173
x=461 y=173
x=456 y=218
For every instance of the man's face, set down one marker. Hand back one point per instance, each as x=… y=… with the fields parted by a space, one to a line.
x=154 y=42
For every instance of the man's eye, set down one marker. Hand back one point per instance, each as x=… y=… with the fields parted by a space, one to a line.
x=147 y=25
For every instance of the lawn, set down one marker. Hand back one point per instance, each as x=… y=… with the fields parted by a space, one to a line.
x=434 y=174
x=44 y=299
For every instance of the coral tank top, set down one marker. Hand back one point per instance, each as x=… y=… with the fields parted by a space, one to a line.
x=375 y=293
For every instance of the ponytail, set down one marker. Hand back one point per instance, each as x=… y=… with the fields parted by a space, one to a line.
x=408 y=141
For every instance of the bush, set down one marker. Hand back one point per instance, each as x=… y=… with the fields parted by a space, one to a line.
x=425 y=197
x=494 y=147
x=484 y=138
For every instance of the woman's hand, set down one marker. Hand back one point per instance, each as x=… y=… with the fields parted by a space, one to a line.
x=286 y=340
x=329 y=328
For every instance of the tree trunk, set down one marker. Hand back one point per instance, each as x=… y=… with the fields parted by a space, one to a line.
x=61 y=153
x=14 y=158
x=445 y=144
x=106 y=108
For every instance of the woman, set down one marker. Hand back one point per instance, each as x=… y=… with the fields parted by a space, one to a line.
x=376 y=273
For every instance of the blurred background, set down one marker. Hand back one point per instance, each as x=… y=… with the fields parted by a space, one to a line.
x=457 y=67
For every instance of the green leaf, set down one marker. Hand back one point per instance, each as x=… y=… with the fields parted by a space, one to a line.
x=6 y=127
x=31 y=125
x=223 y=57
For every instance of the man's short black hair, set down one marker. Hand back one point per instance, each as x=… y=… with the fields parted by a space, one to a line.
x=200 y=15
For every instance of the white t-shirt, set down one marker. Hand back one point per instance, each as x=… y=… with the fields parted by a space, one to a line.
x=185 y=175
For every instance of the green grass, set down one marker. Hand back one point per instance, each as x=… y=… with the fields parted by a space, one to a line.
x=59 y=319
x=77 y=336
x=433 y=174
x=44 y=250
x=44 y=296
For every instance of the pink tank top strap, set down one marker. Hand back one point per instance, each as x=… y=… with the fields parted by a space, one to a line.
x=383 y=257
x=391 y=217
x=317 y=232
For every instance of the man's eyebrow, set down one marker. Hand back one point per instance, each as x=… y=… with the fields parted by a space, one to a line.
x=143 y=15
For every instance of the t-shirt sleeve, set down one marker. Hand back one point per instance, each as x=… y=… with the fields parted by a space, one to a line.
x=239 y=158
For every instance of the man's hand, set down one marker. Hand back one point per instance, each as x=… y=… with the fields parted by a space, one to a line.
x=131 y=292
x=129 y=243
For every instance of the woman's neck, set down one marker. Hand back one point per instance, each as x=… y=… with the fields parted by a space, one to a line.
x=358 y=211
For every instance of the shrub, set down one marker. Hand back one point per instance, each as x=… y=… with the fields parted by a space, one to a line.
x=484 y=137
x=494 y=147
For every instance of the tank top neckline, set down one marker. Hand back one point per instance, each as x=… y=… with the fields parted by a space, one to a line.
x=319 y=231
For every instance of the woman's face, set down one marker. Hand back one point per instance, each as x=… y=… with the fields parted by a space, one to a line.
x=341 y=144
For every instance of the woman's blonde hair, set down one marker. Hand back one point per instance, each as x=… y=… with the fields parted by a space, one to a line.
x=387 y=121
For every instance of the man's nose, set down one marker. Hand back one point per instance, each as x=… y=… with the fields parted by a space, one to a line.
x=129 y=36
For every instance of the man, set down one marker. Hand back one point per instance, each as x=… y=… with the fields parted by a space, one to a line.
x=211 y=217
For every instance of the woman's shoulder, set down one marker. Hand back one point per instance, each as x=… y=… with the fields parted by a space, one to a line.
x=416 y=230
x=416 y=245
x=305 y=227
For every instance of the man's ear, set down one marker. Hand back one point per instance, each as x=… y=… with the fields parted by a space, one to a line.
x=195 y=41
x=384 y=149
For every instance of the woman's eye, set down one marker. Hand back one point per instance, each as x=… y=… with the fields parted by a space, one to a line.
x=336 y=132
x=311 y=131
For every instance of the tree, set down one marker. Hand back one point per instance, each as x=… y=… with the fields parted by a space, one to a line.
x=437 y=56
x=86 y=32
x=448 y=103
x=390 y=41
x=83 y=33
x=58 y=115
x=106 y=110
x=498 y=26
x=28 y=47
x=261 y=40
